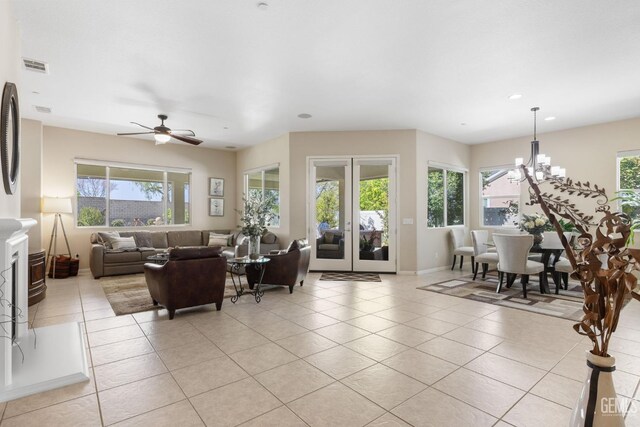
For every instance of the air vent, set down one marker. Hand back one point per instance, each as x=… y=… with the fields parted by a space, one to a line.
x=41 y=109
x=35 y=65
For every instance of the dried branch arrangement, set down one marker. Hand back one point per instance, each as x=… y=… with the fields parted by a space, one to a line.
x=602 y=262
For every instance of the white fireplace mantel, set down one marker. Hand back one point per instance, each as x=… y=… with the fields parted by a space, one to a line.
x=39 y=359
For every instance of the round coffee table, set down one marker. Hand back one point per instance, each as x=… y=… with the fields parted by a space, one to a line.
x=246 y=262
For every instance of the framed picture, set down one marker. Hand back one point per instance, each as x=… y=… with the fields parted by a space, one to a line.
x=216 y=187
x=216 y=207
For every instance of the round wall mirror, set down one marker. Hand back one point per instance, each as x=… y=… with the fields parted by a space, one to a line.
x=10 y=137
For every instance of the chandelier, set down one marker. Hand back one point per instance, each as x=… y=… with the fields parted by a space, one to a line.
x=539 y=164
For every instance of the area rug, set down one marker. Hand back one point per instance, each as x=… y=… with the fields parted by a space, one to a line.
x=129 y=294
x=350 y=277
x=567 y=305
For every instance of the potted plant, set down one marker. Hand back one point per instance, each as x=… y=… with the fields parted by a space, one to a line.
x=255 y=217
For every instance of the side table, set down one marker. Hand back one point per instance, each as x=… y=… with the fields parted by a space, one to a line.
x=246 y=262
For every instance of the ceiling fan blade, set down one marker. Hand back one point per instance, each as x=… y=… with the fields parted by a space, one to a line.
x=186 y=139
x=135 y=133
x=142 y=126
x=192 y=133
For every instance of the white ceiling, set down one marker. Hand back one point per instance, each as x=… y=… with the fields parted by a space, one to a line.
x=353 y=65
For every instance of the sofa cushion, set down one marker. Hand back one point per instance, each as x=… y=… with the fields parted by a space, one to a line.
x=123 y=243
x=328 y=247
x=269 y=238
x=159 y=240
x=293 y=246
x=122 y=256
x=184 y=238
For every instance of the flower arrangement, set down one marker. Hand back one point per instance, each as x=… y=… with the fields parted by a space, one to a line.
x=256 y=214
x=534 y=224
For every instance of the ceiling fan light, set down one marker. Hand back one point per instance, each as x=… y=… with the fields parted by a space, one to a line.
x=161 y=138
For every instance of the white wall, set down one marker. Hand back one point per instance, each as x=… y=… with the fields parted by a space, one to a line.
x=31 y=191
x=62 y=146
x=9 y=72
x=268 y=153
x=433 y=245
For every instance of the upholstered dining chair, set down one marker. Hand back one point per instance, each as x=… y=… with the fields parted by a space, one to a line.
x=479 y=239
x=457 y=239
x=512 y=252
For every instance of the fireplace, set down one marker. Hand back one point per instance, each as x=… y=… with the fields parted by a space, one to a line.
x=35 y=360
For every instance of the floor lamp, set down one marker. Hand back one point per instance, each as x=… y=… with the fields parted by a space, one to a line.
x=57 y=206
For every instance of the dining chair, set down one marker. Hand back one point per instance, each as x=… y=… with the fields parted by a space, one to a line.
x=479 y=239
x=457 y=239
x=512 y=252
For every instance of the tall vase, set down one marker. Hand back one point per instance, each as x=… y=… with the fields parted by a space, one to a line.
x=537 y=239
x=254 y=247
x=598 y=404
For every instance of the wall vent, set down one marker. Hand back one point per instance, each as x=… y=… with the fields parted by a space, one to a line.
x=41 y=109
x=35 y=65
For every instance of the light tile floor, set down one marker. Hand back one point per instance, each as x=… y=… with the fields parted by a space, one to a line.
x=330 y=354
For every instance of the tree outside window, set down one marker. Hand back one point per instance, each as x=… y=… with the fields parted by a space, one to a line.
x=445 y=197
x=629 y=180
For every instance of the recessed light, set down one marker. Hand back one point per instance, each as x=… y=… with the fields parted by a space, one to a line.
x=35 y=92
x=42 y=109
x=263 y=6
x=304 y=115
x=515 y=96
x=550 y=118
x=463 y=124
x=226 y=127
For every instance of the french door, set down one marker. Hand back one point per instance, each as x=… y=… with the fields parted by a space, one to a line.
x=352 y=213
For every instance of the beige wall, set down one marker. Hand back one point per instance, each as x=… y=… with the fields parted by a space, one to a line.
x=31 y=191
x=395 y=142
x=62 y=146
x=274 y=151
x=433 y=246
x=9 y=72
x=587 y=153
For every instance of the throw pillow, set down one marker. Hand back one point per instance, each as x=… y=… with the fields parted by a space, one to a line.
x=336 y=239
x=106 y=236
x=219 y=239
x=268 y=238
x=123 y=243
x=328 y=237
x=293 y=246
x=143 y=239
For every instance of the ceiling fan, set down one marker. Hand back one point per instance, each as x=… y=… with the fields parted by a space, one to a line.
x=163 y=134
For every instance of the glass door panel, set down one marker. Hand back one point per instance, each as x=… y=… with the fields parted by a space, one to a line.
x=374 y=208
x=330 y=214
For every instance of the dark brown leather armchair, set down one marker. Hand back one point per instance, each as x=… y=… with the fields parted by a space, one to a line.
x=285 y=268
x=192 y=276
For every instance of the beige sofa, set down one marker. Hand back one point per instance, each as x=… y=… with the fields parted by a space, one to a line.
x=105 y=261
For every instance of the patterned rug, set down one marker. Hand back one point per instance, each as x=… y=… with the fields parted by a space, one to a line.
x=129 y=294
x=567 y=305
x=347 y=276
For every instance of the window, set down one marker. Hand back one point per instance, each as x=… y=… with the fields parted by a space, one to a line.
x=629 y=178
x=131 y=196
x=499 y=197
x=265 y=182
x=445 y=197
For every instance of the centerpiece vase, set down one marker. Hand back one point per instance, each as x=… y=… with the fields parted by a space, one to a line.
x=537 y=239
x=598 y=404
x=254 y=247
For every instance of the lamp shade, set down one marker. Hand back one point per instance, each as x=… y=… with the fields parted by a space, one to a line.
x=56 y=205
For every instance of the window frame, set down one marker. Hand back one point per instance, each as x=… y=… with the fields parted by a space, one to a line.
x=465 y=198
x=121 y=165
x=262 y=170
x=481 y=198
x=619 y=156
